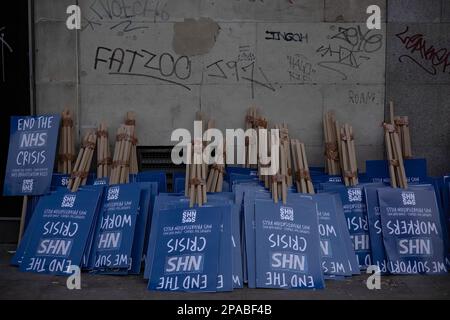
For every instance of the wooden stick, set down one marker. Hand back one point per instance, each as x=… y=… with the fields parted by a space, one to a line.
x=23 y=215
x=301 y=167
x=295 y=163
x=390 y=159
x=352 y=155
x=402 y=175
x=78 y=161
x=344 y=156
x=309 y=185
x=192 y=187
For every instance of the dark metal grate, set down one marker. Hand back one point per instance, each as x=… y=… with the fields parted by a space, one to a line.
x=159 y=158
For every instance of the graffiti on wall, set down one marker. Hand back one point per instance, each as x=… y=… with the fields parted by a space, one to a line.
x=129 y=62
x=348 y=48
x=124 y=15
x=430 y=58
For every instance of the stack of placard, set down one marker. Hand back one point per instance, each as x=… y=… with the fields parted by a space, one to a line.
x=120 y=233
x=412 y=232
x=287 y=254
x=58 y=232
x=96 y=228
x=190 y=249
x=379 y=258
x=354 y=206
x=337 y=253
x=282 y=248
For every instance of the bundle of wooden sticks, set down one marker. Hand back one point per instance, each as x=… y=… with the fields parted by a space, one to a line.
x=348 y=156
x=103 y=152
x=285 y=143
x=214 y=182
x=394 y=153
x=122 y=152
x=130 y=120
x=253 y=121
x=402 y=127
x=331 y=135
x=195 y=187
x=302 y=176
x=83 y=162
x=278 y=183
x=66 y=143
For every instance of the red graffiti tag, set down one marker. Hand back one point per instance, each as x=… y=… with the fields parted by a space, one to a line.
x=416 y=44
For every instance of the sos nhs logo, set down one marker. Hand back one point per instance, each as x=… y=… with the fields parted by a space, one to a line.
x=68 y=201
x=287 y=213
x=189 y=216
x=408 y=198
x=354 y=195
x=113 y=193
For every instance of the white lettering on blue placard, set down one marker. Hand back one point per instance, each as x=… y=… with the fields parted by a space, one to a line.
x=113 y=193
x=289 y=261
x=109 y=240
x=189 y=216
x=195 y=244
x=116 y=221
x=184 y=263
x=357 y=223
x=326 y=230
x=417 y=227
x=361 y=241
x=189 y=282
x=68 y=201
x=65 y=229
x=33 y=139
x=54 y=247
x=286 y=241
x=37 y=264
x=27 y=185
x=286 y=213
x=280 y=279
x=415 y=247
x=408 y=198
x=325 y=246
x=354 y=195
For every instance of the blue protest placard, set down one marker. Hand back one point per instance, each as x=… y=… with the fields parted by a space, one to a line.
x=145 y=203
x=412 y=232
x=60 y=231
x=288 y=250
x=332 y=243
x=250 y=195
x=346 y=238
x=225 y=268
x=415 y=169
x=30 y=220
x=114 y=236
x=31 y=155
x=187 y=250
x=354 y=206
x=154 y=176
x=376 y=236
x=238 y=279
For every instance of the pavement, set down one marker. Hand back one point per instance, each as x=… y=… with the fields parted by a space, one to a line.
x=20 y=285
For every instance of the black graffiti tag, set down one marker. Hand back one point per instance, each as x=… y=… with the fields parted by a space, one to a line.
x=143 y=63
x=349 y=47
x=245 y=71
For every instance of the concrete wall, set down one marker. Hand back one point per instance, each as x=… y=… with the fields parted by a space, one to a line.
x=418 y=79
x=175 y=63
